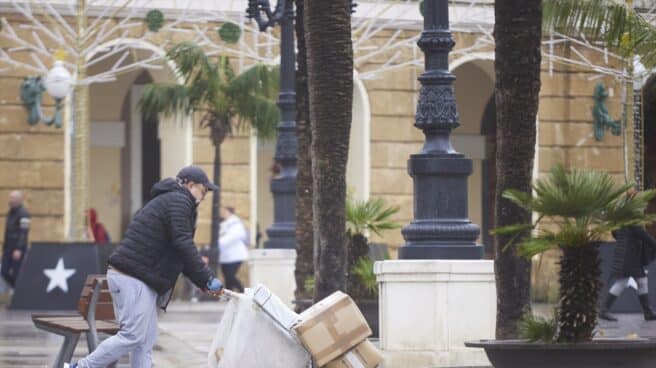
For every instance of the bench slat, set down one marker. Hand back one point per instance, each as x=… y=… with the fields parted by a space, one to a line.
x=76 y=325
x=104 y=310
x=105 y=295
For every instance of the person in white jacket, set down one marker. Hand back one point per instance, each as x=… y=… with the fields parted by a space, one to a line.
x=233 y=247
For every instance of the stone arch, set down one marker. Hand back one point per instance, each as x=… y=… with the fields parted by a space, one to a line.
x=476 y=136
x=123 y=163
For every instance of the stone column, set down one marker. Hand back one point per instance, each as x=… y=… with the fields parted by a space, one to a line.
x=440 y=293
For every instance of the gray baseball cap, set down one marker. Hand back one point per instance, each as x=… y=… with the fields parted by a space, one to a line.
x=197 y=175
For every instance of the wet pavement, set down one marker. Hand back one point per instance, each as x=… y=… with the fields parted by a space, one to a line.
x=186 y=331
x=628 y=325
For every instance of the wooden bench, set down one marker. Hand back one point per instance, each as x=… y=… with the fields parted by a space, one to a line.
x=95 y=315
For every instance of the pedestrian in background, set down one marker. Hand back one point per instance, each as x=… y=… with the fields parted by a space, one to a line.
x=17 y=229
x=97 y=231
x=634 y=250
x=233 y=247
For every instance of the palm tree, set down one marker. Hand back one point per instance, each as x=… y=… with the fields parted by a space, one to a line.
x=616 y=25
x=304 y=231
x=328 y=41
x=363 y=217
x=517 y=32
x=226 y=102
x=583 y=206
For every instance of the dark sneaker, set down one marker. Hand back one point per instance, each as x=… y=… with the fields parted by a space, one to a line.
x=608 y=317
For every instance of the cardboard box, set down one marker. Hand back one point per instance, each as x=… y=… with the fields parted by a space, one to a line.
x=331 y=327
x=364 y=355
x=274 y=307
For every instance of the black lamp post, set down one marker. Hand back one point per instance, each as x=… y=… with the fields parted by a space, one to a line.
x=441 y=228
x=282 y=234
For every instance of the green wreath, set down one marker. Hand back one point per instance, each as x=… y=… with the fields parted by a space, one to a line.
x=154 y=20
x=230 y=32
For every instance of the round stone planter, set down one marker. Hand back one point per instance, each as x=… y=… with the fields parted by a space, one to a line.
x=602 y=353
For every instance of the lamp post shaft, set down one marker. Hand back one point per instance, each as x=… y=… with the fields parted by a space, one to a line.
x=282 y=233
x=441 y=228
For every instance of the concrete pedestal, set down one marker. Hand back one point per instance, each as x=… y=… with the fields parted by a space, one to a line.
x=274 y=268
x=429 y=308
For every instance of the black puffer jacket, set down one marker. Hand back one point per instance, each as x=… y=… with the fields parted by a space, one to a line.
x=159 y=242
x=634 y=250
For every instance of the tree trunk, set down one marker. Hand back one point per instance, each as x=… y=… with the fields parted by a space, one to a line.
x=358 y=248
x=216 y=201
x=304 y=231
x=579 y=293
x=517 y=32
x=328 y=41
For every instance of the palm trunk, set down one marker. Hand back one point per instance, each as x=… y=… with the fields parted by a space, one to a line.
x=304 y=231
x=328 y=41
x=517 y=31
x=579 y=293
x=216 y=205
x=358 y=248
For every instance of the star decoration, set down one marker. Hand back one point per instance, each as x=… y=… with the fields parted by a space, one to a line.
x=58 y=276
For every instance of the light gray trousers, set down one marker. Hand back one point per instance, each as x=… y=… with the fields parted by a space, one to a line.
x=135 y=306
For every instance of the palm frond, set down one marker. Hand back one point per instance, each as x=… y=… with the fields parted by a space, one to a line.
x=612 y=23
x=257 y=80
x=632 y=209
x=520 y=198
x=372 y=214
x=261 y=112
x=599 y=20
x=530 y=247
x=575 y=194
x=190 y=59
x=511 y=229
x=535 y=328
x=167 y=99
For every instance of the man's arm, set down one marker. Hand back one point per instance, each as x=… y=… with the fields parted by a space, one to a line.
x=24 y=224
x=181 y=229
x=642 y=234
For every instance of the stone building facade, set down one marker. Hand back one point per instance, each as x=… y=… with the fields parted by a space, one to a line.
x=32 y=158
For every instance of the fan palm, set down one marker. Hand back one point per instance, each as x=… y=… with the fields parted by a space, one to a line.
x=362 y=217
x=224 y=99
x=579 y=207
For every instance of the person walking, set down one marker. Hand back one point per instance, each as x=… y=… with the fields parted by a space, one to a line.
x=17 y=229
x=634 y=250
x=157 y=246
x=233 y=247
x=97 y=231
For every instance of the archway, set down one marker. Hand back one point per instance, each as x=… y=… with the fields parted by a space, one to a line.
x=357 y=171
x=129 y=154
x=476 y=137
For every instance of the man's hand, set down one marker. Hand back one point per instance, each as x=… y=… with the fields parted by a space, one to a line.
x=214 y=287
x=16 y=255
x=205 y=260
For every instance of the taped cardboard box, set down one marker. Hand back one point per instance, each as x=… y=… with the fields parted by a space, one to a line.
x=364 y=355
x=274 y=307
x=331 y=327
